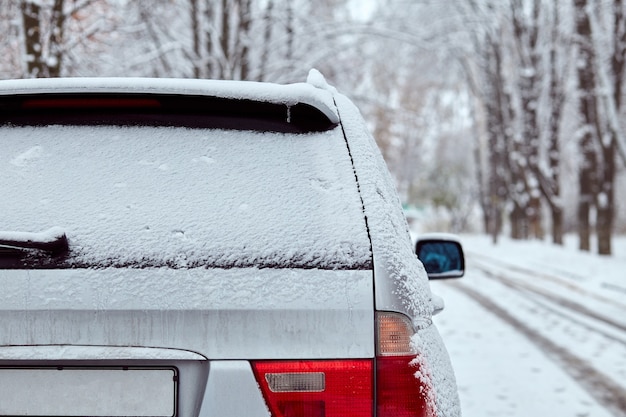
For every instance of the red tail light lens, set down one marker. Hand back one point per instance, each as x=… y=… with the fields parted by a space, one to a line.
x=341 y=388
x=399 y=392
x=402 y=388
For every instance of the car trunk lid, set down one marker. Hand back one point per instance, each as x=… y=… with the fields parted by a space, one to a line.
x=238 y=313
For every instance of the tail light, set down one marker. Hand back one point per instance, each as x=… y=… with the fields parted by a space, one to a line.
x=402 y=388
x=337 y=388
x=392 y=385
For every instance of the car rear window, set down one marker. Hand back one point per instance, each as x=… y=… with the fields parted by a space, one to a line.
x=160 y=110
x=180 y=197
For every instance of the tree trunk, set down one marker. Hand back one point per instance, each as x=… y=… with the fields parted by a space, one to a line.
x=243 y=38
x=225 y=42
x=584 y=228
x=557 y=225
x=519 y=223
x=526 y=31
x=32 y=38
x=604 y=229
x=480 y=179
x=268 y=22
x=44 y=43
x=557 y=100
x=290 y=33
x=606 y=199
x=497 y=130
x=606 y=195
x=211 y=69
x=587 y=107
x=535 y=223
x=55 y=53
x=195 y=38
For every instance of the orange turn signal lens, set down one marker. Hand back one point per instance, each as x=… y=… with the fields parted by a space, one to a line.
x=394 y=334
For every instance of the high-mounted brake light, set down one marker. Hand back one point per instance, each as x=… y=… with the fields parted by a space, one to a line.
x=403 y=389
x=90 y=102
x=328 y=388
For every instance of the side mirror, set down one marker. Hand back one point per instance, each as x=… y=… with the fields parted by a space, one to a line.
x=442 y=256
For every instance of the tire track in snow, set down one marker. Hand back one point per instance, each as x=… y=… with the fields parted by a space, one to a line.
x=568 y=284
x=605 y=390
x=561 y=301
x=488 y=260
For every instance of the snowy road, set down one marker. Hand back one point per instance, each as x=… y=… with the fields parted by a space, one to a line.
x=537 y=330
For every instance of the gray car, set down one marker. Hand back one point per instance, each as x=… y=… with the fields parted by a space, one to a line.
x=183 y=248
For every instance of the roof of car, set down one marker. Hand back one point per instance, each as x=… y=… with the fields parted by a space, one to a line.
x=281 y=94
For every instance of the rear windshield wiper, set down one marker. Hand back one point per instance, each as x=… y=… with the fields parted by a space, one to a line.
x=53 y=241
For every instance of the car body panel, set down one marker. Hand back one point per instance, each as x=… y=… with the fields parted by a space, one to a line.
x=232 y=391
x=234 y=313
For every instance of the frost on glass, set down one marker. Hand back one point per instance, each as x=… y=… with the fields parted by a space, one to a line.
x=146 y=196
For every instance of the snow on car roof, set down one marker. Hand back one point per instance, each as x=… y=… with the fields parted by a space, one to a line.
x=287 y=94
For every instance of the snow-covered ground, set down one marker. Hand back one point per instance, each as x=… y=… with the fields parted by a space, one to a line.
x=537 y=330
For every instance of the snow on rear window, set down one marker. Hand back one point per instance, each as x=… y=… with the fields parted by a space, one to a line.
x=156 y=196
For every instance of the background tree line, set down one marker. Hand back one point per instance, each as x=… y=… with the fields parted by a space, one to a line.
x=534 y=58
x=509 y=110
